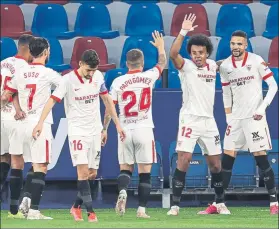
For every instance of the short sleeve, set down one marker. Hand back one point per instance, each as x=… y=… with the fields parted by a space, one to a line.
x=224 y=76
x=263 y=68
x=113 y=92
x=60 y=90
x=11 y=85
x=153 y=73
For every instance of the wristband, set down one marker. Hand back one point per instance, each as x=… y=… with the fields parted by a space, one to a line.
x=183 y=32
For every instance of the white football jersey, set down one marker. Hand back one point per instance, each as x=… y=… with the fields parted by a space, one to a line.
x=9 y=68
x=33 y=83
x=198 y=88
x=133 y=93
x=245 y=80
x=82 y=102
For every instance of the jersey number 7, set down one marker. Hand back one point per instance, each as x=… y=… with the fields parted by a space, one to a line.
x=144 y=103
x=32 y=88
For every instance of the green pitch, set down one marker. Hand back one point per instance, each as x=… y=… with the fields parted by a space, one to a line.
x=241 y=218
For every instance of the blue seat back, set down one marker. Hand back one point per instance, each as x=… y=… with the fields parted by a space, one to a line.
x=56 y=53
x=8 y=47
x=269 y=2
x=271 y=29
x=93 y=18
x=143 y=43
x=233 y=17
x=112 y=74
x=49 y=20
x=186 y=1
x=17 y=2
x=143 y=19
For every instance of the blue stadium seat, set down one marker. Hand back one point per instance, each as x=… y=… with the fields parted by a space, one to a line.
x=186 y=1
x=269 y=2
x=271 y=29
x=143 y=19
x=275 y=75
x=157 y=177
x=112 y=74
x=17 y=2
x=99 y=24
x=224 y=50
x=233 y=17
x=218 y=81
x=273 y=157
x=50 y=20
x=197 y=174
x=244 y=171
x=139 y=1
x=173 y=79
x=56 y=60
x=8 y=47
x=149 y=51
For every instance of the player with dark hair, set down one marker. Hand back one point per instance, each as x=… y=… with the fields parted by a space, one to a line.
x=33 y=84
x=9 y=68
x=242 y=74
x=81 y=90
x=196 y=120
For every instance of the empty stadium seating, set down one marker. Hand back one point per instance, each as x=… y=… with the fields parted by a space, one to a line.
x=139 y=1
x=94 y=20
x=149 y=51
x=269 y=2
x=273 y=53
x=56 y=60
x=17 y=2
x=224 y=50
x=186 y=1
x=7 y=47
x=179 y=15
x=229 y=20
x=113 y=74
x=82 y=44
x=143 y=19
x=51 y=21
x=62 y=2
x=271 y=30
x=12 y=21
x=234 y=1
x=91 y=1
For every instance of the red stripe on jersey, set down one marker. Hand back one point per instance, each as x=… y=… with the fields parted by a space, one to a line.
x=133 y=71
x=19 y=57
x=225 y=84
x=36 y=64
x=47 y=151
x=268 y=75
x=11 y=89
x=55 y=98
x=115 y=102
x=103 y=93
x=160 y=71
x=207 y=65
x=78 y=76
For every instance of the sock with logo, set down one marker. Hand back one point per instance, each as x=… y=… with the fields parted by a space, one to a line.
x=217 y=183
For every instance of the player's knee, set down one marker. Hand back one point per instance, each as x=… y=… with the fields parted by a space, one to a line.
x=40 y=167
x=183 y=161
x=215 y=167
x=145 y=178
x=17 y=162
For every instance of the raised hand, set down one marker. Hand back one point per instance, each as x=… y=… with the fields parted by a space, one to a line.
x=158 y=40
x=188 y=22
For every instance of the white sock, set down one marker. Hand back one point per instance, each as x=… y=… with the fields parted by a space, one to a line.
x=273 y=203
x=141 y=209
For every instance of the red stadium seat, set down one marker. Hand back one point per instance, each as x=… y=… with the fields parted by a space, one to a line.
x=273 y=53
x=222 y=2
x=62 y=2
x=179 y=14
x=96 y=43
x=66 y=71
x=12 y=21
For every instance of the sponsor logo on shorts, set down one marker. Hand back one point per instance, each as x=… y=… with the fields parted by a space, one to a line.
x=217 y=139
x=98 y=155
x=256 y=137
